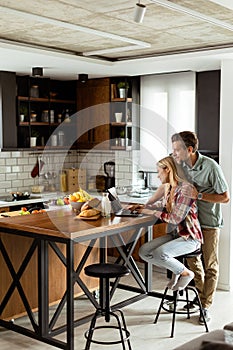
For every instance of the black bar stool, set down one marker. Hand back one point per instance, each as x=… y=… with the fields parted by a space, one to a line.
x=104 y=272
x=177 y=297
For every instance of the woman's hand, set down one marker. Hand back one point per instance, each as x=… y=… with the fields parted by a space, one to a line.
x=147 y=211
x=136 y=207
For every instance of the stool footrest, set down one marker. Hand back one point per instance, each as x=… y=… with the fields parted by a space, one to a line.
x=173 y=306
x=105 y=271
x=127 y=335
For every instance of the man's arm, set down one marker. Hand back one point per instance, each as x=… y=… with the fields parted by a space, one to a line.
x=215 y=197
x=207 y=197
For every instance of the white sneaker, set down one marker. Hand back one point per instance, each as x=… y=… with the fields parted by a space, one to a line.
x=206 y=316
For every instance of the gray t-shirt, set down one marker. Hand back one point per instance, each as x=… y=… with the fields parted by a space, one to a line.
x=207 y=176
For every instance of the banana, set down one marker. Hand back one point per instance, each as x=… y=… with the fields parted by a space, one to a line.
x=80 y=196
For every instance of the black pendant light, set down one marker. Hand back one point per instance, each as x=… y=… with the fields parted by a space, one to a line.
x=83 y=78
x=37 y=71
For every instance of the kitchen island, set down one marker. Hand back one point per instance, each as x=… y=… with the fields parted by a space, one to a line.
x=42 y=259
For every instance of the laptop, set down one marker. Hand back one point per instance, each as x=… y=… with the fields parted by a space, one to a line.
x=117 y=207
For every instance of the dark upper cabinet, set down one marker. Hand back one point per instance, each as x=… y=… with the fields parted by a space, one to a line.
x=42 y=105
x=8 y=129
x=208 y=111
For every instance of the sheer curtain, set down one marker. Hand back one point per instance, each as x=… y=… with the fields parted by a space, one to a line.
x=167 y=106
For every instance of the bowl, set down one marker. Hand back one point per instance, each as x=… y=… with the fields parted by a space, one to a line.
x=76 y=205
x=52 y=94
x=20 y=195
x=37 y=189
x=121 y=190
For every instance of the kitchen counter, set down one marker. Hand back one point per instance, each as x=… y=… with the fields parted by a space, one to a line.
x=127 y=198
x=35 y=198
x=46 y=196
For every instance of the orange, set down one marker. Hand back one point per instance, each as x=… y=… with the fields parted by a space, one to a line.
x=72 y=198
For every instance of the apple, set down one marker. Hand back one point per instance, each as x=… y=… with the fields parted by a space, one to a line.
x=60 y=201
x=66 y=200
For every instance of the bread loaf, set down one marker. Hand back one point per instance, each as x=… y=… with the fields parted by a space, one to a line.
x=89 y=212
x=92 y=203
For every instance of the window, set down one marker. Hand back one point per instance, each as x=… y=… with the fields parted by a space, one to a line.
x=167 y=106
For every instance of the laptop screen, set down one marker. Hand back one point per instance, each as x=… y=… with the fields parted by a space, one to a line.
x=117 y=208
x=115 y=202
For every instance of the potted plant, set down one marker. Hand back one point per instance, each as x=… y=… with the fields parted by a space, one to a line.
x=23 y=111
x=123 y=87
x=34 y=135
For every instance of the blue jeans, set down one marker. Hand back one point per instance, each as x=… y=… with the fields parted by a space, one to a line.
x=162 y=251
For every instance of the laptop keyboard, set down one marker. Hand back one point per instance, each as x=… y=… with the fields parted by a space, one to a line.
x=127 y=212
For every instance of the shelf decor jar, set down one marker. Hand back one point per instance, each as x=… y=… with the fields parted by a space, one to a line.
x=34 y=91
x=33 y=141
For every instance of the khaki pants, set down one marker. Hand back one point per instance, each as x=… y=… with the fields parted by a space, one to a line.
x=206 y=267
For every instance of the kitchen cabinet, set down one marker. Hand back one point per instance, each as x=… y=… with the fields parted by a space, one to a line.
x=98 y=101
x=124 y=133
x=42 y=104
x=208 y=111
x=17 y=247
x=8 y=130
x=120 y=114
x=93 y=113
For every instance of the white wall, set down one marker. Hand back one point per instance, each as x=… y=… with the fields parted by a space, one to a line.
x=226 y=161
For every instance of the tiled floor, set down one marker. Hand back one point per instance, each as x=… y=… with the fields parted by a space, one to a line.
x=139 y=317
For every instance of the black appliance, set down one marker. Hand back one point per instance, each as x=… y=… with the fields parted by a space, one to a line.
x=109 y=169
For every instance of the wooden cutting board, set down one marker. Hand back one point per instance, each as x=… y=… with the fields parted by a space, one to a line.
x=10 y=213
x=95 y=217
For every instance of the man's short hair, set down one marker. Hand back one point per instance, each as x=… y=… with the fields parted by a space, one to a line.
x=188 y=138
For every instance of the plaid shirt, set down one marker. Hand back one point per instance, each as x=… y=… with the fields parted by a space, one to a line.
x=183 y=215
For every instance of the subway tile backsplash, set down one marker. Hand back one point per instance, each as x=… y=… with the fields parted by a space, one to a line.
x=16 y=167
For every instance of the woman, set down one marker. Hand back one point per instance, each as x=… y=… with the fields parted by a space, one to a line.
x=184 y=232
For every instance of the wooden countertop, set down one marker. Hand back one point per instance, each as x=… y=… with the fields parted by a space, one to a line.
x=62 y=224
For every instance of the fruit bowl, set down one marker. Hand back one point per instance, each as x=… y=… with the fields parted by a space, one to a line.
x=76 y=205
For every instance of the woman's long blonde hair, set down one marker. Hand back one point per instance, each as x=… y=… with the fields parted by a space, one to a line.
x=176 y=176
x=176 y=173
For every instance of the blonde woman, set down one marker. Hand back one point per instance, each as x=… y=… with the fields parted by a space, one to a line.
x=184 y=232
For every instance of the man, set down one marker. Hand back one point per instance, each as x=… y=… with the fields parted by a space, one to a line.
x=211 y=190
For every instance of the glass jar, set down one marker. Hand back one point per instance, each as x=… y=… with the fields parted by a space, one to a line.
x=59 y=117
x=54 y=140
x=67 y=116
x=51 y=116
x=61 y=138
x=45 y=116
x=63 y=184
x=34 y=91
